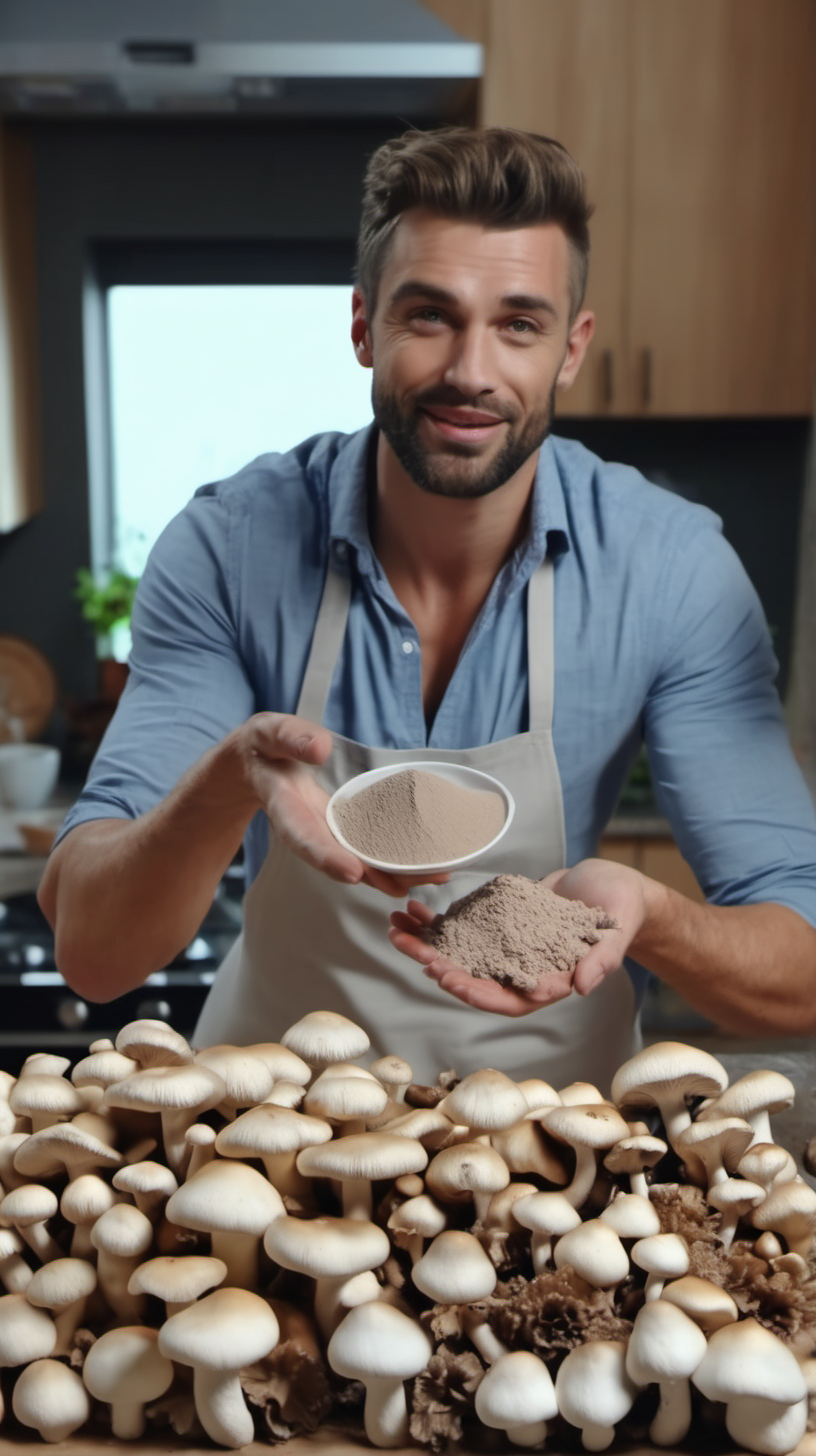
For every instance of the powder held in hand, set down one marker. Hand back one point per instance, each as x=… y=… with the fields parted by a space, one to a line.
x=514 y=930
x=417 y=818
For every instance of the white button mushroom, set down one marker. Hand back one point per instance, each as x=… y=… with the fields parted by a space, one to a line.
x=383 y=1347
x=594 y=1391
x=52 y=1399
x=218 y=1336
x=666 y=1347
x=126 y=1368
x=517 y=1396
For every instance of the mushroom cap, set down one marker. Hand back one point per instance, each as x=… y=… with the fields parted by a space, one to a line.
x=664 y=1344
x=720 y=1140
x=377 y=1341
x=36 y=1093
x=633 y=1154
x=393 y=1070
x=247 y=1079
x=153 y=1044
x=765 y=1163
x=755 y=1424
x=586 y=1124
x=227 y=1196
x=546 y=1213
x=99 y=1069
x=123 y=1231
x=284 y=1064
x=321 y=1037
x=30 y=1203
x=595 y=1252
x=145 y=1178
x=516 y=1390
x=467 y=1168
x=746 y=1359
x=177 y=1279
x=26 y=1333
x=486 y=1100
x=154 y=1089
x=127 y=1364
x=223 y=1331
x=64 y=1146
x=363 y=1155
x=418 y=1215
x=345 y=1098
x=708 y=1304
x=454 y=1269
x=663 y=1254
x=538 y=1094
x=592 y=1385
x=631 y=1216
x=47 y=1395
x=266 y=1130
x=794 y=1201
x=326 y=1248
x=762 y=1090
x=60 y=1282
x=667 y=1068
x=736 y=1194
x=49 y=1064
x=85 y=1198
x=580 y=1093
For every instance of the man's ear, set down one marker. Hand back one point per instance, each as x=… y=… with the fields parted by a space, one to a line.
x=581 y=330
x=360 y=334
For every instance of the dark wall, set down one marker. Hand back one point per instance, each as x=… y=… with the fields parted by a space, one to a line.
x=105 y=182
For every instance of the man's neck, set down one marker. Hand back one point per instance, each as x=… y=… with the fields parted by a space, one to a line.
x=430 y=540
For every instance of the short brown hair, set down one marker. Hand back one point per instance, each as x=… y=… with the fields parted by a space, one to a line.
x=492 y=175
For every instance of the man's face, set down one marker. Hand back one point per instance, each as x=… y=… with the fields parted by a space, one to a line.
x=470 y=338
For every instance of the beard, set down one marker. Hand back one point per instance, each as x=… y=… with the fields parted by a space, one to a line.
x=457 y=471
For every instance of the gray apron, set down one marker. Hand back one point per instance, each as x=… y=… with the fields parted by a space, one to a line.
x=309 y=943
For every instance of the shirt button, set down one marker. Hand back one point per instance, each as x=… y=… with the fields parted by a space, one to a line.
x=407 y=647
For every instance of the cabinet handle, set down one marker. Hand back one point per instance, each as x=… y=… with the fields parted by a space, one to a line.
x=607 y=377
x=646 y=379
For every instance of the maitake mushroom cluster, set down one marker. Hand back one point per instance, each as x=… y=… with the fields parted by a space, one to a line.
x=260 y=1240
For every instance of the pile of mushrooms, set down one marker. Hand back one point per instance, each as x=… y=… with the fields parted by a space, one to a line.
x=252 y=1241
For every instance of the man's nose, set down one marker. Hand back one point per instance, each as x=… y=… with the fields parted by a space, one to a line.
x=471 y=366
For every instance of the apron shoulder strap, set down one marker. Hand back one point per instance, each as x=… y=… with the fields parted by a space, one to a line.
x=326 y=643
x=541 y=645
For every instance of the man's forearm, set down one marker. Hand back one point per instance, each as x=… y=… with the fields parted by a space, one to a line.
x=124 y=896
x=750 y=968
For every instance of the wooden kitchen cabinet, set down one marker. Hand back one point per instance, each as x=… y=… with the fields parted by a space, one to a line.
x=695 y=124
x=655 y=854
x=19 y=424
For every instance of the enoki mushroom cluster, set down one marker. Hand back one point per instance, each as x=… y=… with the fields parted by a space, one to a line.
x=253 y=1241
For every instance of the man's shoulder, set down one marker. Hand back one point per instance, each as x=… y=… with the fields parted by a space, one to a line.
x=293 y=476
x=619 y=500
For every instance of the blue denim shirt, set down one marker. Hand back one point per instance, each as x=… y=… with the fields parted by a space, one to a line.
x=659 y=637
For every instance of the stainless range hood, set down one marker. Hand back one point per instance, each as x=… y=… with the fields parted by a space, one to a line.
x=199 y=56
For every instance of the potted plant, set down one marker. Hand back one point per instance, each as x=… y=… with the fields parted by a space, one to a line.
x=106 y=602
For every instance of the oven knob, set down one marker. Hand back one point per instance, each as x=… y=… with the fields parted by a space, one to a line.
x=72 y=1014
x=155 y=1010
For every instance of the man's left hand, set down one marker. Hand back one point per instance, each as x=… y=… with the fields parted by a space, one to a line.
x=618 y=890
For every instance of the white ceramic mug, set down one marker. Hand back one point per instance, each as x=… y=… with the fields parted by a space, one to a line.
x=28 y=774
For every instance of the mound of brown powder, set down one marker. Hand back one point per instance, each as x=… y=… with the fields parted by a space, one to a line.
x=418 y=818
x=514 y=930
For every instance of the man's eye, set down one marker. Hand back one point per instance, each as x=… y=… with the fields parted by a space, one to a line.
x=428 y=315
x=522 y=326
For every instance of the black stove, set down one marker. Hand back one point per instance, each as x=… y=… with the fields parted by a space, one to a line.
x=39 y=1012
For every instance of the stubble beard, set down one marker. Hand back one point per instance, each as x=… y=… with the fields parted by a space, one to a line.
x=457 y=471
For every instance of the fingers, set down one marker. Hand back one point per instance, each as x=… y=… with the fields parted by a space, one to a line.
x=398 y=885
x=487 y=995
x=285 y=735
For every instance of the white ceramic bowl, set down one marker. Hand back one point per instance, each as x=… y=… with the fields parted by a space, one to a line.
x=463 y=778
x=28 y=774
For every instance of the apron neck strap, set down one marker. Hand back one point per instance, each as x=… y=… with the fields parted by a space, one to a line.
x=330 y=630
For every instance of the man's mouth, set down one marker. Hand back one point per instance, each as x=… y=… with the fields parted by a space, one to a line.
x=461 y=424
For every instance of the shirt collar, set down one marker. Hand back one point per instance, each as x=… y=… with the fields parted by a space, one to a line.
x=348 y=506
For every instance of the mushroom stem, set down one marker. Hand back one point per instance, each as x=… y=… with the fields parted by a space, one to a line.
x=584 y=1176
x=240 y=1254
x=356 y=1195
x=15 y=1273
x=480 y=1333
x=127 y=1419
x=638 y=1183
x=532 y=1433
x=222 y=1410
x=673 y=1418
x=386 y=1413
x=597 y=1437
x=334 y=1297
x=114 y=1272
x=541 y=1252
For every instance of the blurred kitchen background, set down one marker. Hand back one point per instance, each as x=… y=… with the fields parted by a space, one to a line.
x=179 y=194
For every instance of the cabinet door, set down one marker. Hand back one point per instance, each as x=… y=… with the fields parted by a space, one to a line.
x=723 y=207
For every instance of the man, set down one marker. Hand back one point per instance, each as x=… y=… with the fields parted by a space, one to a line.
x=454 y=583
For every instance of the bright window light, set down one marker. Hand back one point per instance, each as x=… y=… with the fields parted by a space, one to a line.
x=204 y=378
